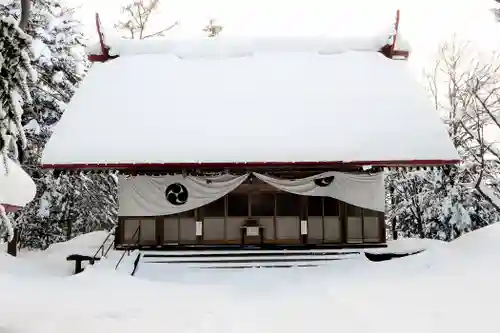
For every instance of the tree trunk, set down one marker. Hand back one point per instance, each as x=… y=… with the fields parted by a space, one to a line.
x=25 y=13
x=394 y=219
x=69 y=229
x=393 y=229
x=12 y=245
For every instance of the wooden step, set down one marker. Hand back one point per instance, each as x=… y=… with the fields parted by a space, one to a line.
x=241 y=260
x=244 y=253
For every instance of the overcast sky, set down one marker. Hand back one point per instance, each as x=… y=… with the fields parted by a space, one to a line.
x=423 y=22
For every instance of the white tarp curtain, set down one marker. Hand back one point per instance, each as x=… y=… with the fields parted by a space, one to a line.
x=172 y=194
x=166 y=195
x=362 y=190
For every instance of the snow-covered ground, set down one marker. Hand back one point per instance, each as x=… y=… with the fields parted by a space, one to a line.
x=447 y=288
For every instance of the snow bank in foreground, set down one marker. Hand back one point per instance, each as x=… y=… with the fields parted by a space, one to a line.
x=473 y=253
x=480 y=242
x=54 y=258
x=353 y=295
x=86 y=244
x=20 y=267
x=477 y=250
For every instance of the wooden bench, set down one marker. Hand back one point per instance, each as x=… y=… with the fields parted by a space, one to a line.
x=79 y=259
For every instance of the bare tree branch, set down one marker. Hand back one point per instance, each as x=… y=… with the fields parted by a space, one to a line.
x=161 y=32
x=138 y=18
x=212 y=29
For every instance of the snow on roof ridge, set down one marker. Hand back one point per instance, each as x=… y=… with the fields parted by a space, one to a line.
x=241 y=46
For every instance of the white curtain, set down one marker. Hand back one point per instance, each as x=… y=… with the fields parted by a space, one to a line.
x=362 y=190
x=171 y=194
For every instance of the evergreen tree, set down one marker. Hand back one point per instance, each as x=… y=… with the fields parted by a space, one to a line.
x=15 y=75
x=66 y=204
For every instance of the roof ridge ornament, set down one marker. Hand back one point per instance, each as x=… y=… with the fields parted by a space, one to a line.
x=390 y=50
x=104 y=55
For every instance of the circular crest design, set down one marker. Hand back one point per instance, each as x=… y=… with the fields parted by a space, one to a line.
x=176 y=194
x=324 y=182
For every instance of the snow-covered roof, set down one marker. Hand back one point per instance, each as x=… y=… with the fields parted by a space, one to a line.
x=266 y=101
x=237 y=47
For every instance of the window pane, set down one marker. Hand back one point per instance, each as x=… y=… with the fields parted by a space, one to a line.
x=353 y=210
x=237 y=204
x=215 y=208
x=262 y=204
x=287 y=204
x=369 y=212
x=331 y=207
x=315 y=206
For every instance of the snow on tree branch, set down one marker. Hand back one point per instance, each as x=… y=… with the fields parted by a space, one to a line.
x=7 y=224
x=445 y=203
x=15 y=75
x=65 y=205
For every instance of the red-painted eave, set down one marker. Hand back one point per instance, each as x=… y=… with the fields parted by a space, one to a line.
x=242 y=165
x=10 y=208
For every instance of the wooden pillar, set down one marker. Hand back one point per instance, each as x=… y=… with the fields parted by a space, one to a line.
x=275 y=219
x=197 y=218
x=381 y=224
x=225 y=218
x=119 y=231
x=363 y=225
x=343 y=221
x=159 y=230
x=304 y=238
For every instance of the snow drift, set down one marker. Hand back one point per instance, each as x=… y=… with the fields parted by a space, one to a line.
x=355 y=295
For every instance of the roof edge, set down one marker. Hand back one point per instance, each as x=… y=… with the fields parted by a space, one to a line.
x=221 y=165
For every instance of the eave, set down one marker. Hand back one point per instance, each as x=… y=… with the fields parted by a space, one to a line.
x=10 y=208
x=241 y=166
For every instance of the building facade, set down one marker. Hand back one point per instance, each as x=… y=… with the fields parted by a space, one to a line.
x=238 y=142
x=258 y=214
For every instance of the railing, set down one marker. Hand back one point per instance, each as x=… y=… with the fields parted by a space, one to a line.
x=101 y=248
x=136 y=233
x=136 y=263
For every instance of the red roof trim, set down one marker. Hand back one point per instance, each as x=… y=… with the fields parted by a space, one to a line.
x=217 y=165
x=10 y=208
x=396 y=28
x=98 y=57
x=104 y=56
